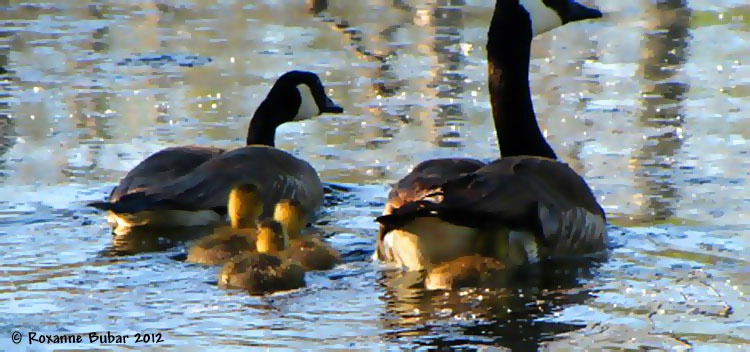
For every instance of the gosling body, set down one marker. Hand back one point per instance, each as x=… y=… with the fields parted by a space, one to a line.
x=310 y=252
x=267 y=270
x=244 y=207
x=467 y=271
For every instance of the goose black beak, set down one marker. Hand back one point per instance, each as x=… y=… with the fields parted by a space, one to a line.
x=331 y=107
x=578 y=12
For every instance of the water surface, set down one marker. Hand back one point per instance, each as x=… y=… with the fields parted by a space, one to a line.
x=650 y=104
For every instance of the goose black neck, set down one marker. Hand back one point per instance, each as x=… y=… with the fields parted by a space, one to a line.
x=508 y=56
x=263 y=126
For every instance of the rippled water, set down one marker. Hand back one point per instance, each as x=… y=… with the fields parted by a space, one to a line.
x=650 y=104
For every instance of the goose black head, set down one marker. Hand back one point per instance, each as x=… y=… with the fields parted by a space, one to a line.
x=303 y=94
x=549 y=14
x=516 y=22
x=534 y=17
x=296 y=96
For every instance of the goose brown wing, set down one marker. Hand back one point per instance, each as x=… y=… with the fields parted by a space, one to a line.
x=426 y=176
x=278 y=174
x=508 y=182
x=558 y=205
x=420 y=182
x=467 y=199
x=162 y=167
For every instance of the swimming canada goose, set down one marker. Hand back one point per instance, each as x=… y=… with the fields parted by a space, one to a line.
x=263 y=271
x=244 y=207
x=448 y=208
x=309 y=252
x=184 y=186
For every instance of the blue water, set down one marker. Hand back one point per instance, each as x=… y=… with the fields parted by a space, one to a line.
x=649 y=104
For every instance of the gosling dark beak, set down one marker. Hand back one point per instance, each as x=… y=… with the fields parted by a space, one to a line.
x=331 y=107
x=578 y=12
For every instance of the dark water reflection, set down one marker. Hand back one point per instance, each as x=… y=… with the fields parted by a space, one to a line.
x=664 y=56
x=146 y=240
x=513 y=317
x=650 y=104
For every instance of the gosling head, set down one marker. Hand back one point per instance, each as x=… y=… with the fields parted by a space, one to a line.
x=291 y=215
x=244 y=206
x=271 y=237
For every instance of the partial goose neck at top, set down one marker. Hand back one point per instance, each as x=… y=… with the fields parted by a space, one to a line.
x=508 y=56
x=263 y=125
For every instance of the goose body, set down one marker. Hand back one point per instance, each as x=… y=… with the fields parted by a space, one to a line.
x=526 y=202
x=162 y=166
x=184 y=186
x=159 y=168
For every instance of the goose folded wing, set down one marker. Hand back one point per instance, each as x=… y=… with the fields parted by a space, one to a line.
x=473 y=200
x=208 y=186
x=514 y=192
x=163 y=166
x=426 y=176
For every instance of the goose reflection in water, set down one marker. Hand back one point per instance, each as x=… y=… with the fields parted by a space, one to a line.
x=519 y=315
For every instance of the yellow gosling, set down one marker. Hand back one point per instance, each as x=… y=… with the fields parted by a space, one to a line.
x=272 y=237
x=313 y=254
x=309 y=252
x=467 y=271
x=291 y=215
x=264 y=271
x=244 y=207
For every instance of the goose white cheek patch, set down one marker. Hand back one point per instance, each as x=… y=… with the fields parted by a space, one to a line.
x=542 y=17
x=307 y=108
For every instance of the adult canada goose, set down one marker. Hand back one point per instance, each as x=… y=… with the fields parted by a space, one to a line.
x=244 y=208
x=263 y=271
x=184 y=186
x=448 y=208
x=309 y=252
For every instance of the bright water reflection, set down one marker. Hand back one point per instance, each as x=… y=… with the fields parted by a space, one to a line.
x=650 y=104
